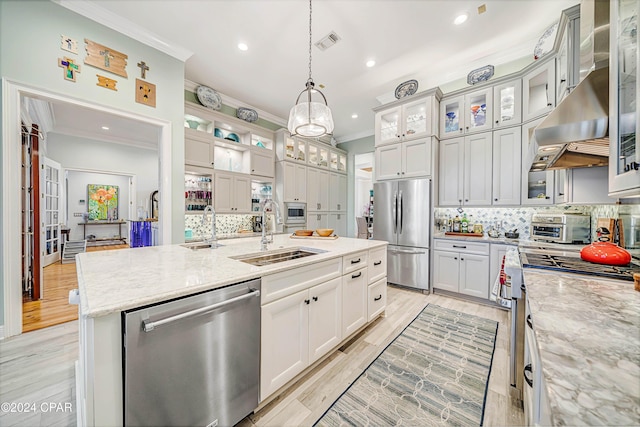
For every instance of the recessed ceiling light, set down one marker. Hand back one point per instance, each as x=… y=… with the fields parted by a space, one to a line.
x=354 y=116
x=371 y=63
x=105 y=127
x=461 y=18
x=243 y=46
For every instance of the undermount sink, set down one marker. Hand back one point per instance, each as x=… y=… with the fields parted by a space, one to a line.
x=280 y=255
x=200 y=245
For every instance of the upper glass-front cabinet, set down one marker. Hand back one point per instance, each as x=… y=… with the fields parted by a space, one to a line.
x=624 y=160
x=538 y=91
x=388 y=125
x=318 y=155
x=451 y=121
x=405 y=122
x=507 y=99
x=466 y=113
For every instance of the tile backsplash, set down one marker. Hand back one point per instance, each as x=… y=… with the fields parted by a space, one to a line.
x=225 y=224
x=519 y=218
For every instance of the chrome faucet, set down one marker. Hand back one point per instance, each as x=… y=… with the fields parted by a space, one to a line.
x=264 y=241
x=213 y=240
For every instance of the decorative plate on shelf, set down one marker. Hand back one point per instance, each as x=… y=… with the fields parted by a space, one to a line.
x=247 y=114
x=481 y=74
x=406 y=89
x=232 y=137
x=209 y=97
x=545 y=44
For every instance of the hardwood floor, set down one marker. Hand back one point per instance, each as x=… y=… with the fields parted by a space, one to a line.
x=54 y=308
x=38 y=367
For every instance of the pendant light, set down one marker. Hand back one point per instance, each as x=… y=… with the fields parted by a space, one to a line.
x=310 y=118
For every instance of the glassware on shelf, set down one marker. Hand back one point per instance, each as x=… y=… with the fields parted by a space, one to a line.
x=452 y=123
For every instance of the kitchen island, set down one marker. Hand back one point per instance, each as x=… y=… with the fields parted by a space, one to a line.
x=111 y=282
x=586 y=334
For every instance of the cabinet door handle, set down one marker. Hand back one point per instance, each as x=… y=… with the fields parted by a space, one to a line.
x=355 y=276
x=461 y=259
x=377 y=263
x=455 y=257
x=460 y=247
x=495 y=200
x=497 y=121
x=355 y=261
x=307 y=301
x=378 y=298
x=315 y=298
x=398 y=173
x=529 y=321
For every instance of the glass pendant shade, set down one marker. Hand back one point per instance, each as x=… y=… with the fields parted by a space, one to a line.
x=310 y=118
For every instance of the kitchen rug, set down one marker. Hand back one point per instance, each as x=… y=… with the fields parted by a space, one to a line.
x=435 y=372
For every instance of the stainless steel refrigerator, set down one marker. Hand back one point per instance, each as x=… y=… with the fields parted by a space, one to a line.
x=403 y=218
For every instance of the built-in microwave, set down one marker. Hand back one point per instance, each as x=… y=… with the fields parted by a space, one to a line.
x=295 y=213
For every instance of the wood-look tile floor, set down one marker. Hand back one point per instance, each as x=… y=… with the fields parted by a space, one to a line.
x=38 y=367
x=54 y=308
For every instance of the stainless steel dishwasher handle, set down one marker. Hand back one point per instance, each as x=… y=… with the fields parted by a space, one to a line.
x=150 y=326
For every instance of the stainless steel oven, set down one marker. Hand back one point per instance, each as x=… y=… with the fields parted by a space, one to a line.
x=561 y=228
x=295 y=213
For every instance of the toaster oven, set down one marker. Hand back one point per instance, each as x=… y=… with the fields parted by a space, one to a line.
x=561 y=228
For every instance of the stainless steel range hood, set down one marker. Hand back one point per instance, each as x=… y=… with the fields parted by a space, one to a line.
x=576 y=133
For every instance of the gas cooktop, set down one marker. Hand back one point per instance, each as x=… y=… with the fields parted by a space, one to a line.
x=578 y=266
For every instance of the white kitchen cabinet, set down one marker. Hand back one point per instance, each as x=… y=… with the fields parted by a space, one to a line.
x=318 y=220
x=537 y=187
x=560 y=186
x=568 y=56
x=587 y=186
x=262 y=163
x=198 y=149
x=232 y=193
x=325 y=318
x=468 y=113
x=354 y=299
x=318 y=155
x=409 y=159
x=290 y=148
x=410 y=120
x=338 y=161
x=291 y=182
x=507 y=99
x=461 y=267
x=376 y=298
x=317 y=190
x=338 y=221
x=284 y=341
x=538 y=91
x=507 y=167
x=337 y=192
x=465 y=171
x=377 y=264
x=624 y=147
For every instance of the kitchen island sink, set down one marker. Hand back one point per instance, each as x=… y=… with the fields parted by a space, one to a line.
x=276 y=256
x=201 y=245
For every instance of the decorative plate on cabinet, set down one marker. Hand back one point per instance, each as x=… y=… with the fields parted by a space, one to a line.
x=247 y=114
x=209 y=97
x=545 y=44
x=481 y=74
x=406 y=89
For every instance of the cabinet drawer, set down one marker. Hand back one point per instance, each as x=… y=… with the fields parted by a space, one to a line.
x=377 y=299
x=279 y=285
x=354 y=262
x=377 y=264
x=462 y=246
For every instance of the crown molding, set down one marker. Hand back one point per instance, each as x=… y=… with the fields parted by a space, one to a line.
x=354 y=136
x=234 y=103
x=126 y=27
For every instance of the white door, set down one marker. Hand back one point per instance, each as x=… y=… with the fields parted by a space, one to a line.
x=388 y=161
x=262 y=164
x=354 y=301
x=50 y=192
x=223 y=193
x=416 y=158
x=300 y=183
x=445 y=270
x=313 y=190
x=474 y=275
x=477 y=169
x=507 y=173
x=325 y=318
x=450 y=182
x=242 y=196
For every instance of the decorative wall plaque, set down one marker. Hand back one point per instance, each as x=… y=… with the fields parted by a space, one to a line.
x=69 y=44
x=143 y=69
x=106 y=82
x=481 y=74
x=145 y=93
x=105 y=58
x=70 y=68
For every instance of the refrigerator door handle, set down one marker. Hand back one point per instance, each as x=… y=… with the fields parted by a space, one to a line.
x=401 y=212
x=397 y=251
x=395 y=212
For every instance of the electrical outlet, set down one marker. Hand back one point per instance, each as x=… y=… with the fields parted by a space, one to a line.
x=77 y=214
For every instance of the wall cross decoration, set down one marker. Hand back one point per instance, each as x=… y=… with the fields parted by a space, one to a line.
x=143 y=69
x=68 y=44
x=105 y=58
x=69 y=67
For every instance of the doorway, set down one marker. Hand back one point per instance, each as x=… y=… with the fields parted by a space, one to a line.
x=363 y=192
x=15 y=104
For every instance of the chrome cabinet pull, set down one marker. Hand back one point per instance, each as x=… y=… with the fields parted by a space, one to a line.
x=148 y=326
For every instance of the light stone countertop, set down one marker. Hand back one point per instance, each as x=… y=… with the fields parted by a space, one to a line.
x=588 y=335
x=113 y=281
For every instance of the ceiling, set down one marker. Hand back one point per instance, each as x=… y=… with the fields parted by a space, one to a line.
x=407 y=39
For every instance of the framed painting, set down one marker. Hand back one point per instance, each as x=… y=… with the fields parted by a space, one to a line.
x=103 y=202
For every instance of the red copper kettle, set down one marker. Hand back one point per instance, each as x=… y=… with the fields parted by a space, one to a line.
x=605 y=253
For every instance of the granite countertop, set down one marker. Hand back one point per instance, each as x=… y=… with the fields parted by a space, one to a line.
x=588 y=335
x=112 y=281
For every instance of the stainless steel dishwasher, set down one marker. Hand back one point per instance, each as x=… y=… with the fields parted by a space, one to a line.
x=193 y=361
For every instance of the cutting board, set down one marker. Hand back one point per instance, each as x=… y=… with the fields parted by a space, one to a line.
x=608 y=223
x=615 y=228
